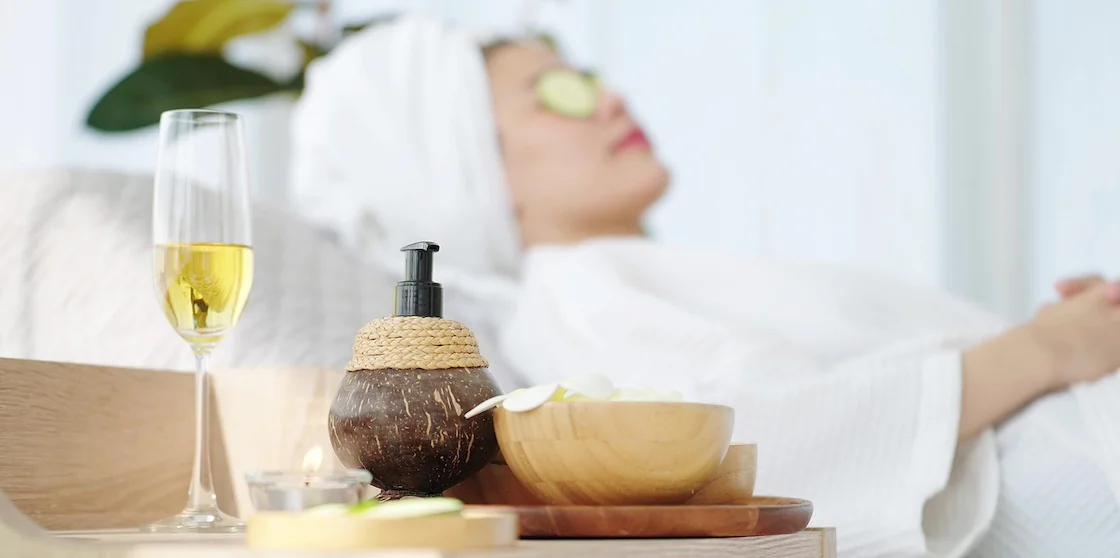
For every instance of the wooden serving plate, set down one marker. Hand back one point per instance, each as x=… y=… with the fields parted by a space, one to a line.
x=757 y=516
x=495 y=484
x=473 y=529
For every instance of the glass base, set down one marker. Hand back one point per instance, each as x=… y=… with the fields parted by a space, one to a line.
x=196 y=521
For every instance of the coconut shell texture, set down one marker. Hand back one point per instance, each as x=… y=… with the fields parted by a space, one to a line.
x=406 y=427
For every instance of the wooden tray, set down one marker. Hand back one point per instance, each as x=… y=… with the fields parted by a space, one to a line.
x=757 y=516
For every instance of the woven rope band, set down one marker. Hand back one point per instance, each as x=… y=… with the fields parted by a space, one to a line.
x=411 y=342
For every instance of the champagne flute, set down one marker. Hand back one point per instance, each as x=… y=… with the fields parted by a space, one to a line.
x=203 y=268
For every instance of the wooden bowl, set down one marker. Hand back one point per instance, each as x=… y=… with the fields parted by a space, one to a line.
x=615 y=453
x=493 y=485
x=733 y=481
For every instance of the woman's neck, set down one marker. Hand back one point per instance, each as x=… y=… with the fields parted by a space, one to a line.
x=544 y=236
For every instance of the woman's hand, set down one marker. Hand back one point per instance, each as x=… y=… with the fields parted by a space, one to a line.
x=1074 y=340
x=1082 y=331
x=1073 y=285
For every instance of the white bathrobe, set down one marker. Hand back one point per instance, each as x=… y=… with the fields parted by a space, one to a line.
x=849 y=381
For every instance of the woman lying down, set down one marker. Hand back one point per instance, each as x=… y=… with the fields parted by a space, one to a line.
x=917 y=424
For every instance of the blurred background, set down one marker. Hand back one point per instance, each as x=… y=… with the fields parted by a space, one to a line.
x=964 y=143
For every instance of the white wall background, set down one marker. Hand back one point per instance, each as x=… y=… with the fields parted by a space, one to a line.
x=965 y=143
x=1075 y=160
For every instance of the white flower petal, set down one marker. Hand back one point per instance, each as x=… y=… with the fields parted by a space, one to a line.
x=487 y=405
x=595 y=386
x=530 y=398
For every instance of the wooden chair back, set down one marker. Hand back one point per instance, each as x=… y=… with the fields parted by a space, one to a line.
x=90 y=447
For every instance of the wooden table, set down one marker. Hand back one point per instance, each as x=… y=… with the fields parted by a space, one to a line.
x=54 y=417
x=811 y=543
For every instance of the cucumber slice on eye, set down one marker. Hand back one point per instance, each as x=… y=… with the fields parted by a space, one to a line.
x=567 y=93
x=592 y=78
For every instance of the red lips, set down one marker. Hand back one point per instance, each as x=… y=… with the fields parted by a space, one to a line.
x=635 y=139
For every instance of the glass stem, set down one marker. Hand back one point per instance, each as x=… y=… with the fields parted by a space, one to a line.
x=201 y=497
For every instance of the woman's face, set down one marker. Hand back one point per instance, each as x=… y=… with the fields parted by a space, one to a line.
x=570 y=178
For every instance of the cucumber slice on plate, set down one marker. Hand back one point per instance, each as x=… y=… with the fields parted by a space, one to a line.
x=414 y=507
x=363 y=506
x=567 y=93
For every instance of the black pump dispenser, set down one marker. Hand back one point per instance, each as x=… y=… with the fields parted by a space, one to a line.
x=418 y=295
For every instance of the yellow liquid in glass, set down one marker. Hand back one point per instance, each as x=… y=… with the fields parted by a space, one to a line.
x=203 y=287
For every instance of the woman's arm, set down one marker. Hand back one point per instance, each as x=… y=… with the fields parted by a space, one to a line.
x=1000 y=377
x=1075 y=340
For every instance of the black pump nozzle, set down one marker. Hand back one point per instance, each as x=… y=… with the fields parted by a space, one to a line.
x=418 y=295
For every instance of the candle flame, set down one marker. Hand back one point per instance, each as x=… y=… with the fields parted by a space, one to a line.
x=312 y=460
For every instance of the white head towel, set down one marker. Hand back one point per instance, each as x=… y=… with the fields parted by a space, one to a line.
x=394 y=142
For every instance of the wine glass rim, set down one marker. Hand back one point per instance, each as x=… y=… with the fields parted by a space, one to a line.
x=192 y=113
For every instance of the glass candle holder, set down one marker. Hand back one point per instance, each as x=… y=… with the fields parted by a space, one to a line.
x=280 y=491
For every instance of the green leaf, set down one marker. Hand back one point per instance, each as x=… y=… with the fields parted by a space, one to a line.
x=205 y=26
x=297 y=83
x=310 y=52
x=175 y=82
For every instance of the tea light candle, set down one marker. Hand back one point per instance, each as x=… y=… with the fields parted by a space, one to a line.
x=298 y=491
